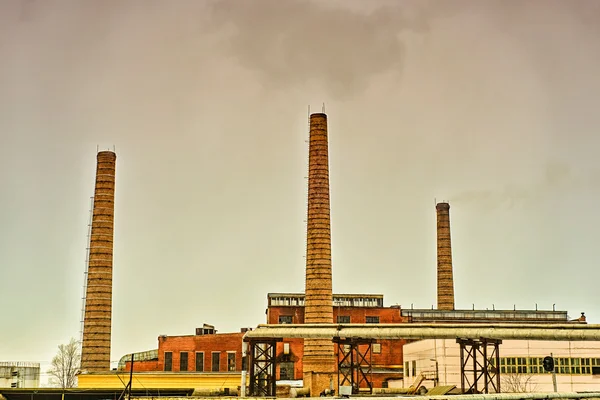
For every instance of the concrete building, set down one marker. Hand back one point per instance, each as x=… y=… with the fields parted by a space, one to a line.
x=577 y=364
x=19 y=375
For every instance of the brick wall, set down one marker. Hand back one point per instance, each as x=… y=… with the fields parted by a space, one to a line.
x=390 y=355
x=223 y=343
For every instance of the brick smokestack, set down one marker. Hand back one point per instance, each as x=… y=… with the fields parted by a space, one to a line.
x=95 y=351
x=319 y=362
x=445 y=282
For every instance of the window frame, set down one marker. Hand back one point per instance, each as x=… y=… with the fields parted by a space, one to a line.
x=168 y=365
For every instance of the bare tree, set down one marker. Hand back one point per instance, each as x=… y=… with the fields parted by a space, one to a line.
x=65 y=365
x=518 y=383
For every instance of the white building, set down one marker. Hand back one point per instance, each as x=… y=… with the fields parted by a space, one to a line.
x=19 y=375
x=577 y=364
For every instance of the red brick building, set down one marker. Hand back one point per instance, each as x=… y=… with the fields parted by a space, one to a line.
x=209 y=351
x=288 y=308
x=206 y=351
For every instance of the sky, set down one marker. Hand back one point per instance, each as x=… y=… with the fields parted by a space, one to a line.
x=492 y=106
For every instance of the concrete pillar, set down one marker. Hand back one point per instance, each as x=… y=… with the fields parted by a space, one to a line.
x=95 y=351
x=319 y=361
x=445 y=281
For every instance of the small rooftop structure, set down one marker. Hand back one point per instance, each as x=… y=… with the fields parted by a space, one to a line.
x=339 y=300
x=476 y=316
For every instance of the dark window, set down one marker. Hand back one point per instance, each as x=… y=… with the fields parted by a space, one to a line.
x=168 y=361
x=183 y=361
x=595 y=370
x=372 y=319
x=285 y=319
x=215 y=361
x=230 y=361
x=343 y=319
x=200 y=362
x=414 y=368
x=286 y=371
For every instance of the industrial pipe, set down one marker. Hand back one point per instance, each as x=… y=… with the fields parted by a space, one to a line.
x=558 y=332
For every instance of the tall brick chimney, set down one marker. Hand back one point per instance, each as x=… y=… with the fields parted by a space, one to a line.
x=95 y=350
x=445 y=282
x=319 y=362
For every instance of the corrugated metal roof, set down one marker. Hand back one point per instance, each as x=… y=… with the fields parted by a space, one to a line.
x=440 y=390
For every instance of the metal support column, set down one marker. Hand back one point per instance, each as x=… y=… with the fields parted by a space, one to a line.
x=481 y=358
x=354 y=364
x=263 y=367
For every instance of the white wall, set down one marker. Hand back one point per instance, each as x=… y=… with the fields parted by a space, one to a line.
x=23 y=375
x=447 y=354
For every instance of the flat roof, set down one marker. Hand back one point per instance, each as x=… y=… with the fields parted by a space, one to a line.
x=350 y=295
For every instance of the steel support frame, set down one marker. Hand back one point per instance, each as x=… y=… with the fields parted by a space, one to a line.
x=354 y=363
x=483 y=357
x=263 y=366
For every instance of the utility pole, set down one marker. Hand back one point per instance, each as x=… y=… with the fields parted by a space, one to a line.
x=554 y=375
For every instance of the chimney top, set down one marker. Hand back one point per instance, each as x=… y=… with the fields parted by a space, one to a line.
x=107 y=154
x=442 y=206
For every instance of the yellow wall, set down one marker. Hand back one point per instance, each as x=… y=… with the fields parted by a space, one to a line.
x=161 y=380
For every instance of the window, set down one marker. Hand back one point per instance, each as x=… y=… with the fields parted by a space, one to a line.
x=286 y=371
x=285 y=319
x=562 y=365
x=230 y=361
x=343 y=319
x=183 y=361
x=414 y=368
x=406 y=370
x=168 y=361
x=199 y=362
x=372 y=319
x=376 y=348
x=215 y=361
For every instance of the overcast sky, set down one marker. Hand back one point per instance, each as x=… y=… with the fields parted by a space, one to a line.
x=491 y=105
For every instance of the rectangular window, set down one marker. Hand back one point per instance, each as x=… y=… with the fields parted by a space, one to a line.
x=286 y=371
x=168 y=361
x=414 y=368
x=183 y=361
x=343 y=319
x=199 y=362
x=285 y=319
x=406 y=371
x=216 y=361
x=230 y=361
x=372 y=319
x=376 y=348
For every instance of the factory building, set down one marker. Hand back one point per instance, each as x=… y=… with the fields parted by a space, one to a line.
x=577 y=364
x=19 y=374
x=210 y=360
x=289 y=308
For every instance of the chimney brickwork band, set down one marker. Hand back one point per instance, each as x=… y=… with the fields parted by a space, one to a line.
x=445 y=281
x=95 y=351
x=318 y=357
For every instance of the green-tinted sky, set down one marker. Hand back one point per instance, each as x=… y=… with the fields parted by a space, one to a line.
x=491 y=105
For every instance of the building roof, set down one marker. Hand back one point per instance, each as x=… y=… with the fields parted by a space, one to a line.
x=524 y=316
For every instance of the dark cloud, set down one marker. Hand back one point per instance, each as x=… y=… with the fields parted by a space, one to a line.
x=293 y=43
